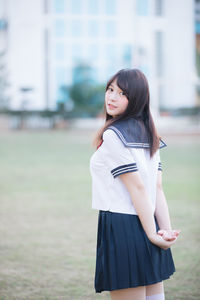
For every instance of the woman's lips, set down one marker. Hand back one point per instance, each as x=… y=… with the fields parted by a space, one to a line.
x=111 y=106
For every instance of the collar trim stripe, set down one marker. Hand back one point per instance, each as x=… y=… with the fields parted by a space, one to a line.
x=134 y=145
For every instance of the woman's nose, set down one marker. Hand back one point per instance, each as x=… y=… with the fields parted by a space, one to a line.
x=114 y=96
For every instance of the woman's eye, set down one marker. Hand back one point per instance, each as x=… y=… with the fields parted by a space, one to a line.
x=111 y=90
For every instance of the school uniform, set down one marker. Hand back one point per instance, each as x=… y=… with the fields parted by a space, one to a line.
x=124 y=255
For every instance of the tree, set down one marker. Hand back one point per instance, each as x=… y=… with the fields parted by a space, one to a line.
x=86 y=93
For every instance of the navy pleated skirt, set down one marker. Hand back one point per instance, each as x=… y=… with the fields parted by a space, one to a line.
x=124 y=255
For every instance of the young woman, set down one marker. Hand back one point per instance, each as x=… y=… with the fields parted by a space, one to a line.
x=134 y=236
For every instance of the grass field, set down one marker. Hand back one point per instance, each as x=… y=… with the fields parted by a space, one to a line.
x=48 y=229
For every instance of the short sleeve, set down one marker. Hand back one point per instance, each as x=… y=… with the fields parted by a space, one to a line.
x=159 y=162
x=117 y=157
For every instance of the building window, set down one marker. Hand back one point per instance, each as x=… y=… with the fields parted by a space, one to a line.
x=59 y=6
x=110 y=70
x=144 y=68
x=110 y=7
x=110 y=52
x=77 y=53
x=93 y=52
x=46 y=6
x=110 y=28
x=61 y=79
x=59 y=51
x=76 y=28
x=59 y=28
x=158 y=7
x=142 y=7
x=76 y=6
x=127 y=54
x=61 y=75
x=93 y=6
x=197 y=27
x=93 y=28
x=159 y=53
x=198 y=49
x=161 y=93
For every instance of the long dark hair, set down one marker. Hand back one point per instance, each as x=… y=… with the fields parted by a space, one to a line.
x=135 y=86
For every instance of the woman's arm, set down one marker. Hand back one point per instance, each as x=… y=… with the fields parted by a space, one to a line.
x=143 y=206
x=161 y=212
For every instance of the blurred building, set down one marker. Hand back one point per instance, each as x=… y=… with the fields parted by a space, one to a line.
x=197 y=40
x=45 y=39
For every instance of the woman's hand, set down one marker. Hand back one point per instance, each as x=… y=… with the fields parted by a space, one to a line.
x=169 y=235
x=162 y=243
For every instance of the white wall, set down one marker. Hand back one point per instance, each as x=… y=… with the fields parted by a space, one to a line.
x=180 y=54
x=25 y=55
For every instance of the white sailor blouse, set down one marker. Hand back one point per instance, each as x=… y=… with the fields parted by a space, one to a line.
x=124 y=149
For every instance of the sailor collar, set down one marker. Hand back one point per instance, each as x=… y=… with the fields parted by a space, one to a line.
x=132 y=133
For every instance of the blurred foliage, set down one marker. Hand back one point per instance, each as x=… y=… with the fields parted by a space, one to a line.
x=182 y=111
x=198 y=62
x=85 y=93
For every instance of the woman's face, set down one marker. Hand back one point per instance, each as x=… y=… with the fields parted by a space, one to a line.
x=115 y=100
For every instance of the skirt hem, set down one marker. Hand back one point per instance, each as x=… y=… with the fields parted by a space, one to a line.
x=167 y=276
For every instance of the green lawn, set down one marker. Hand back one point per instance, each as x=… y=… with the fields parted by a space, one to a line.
x=48 y=229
